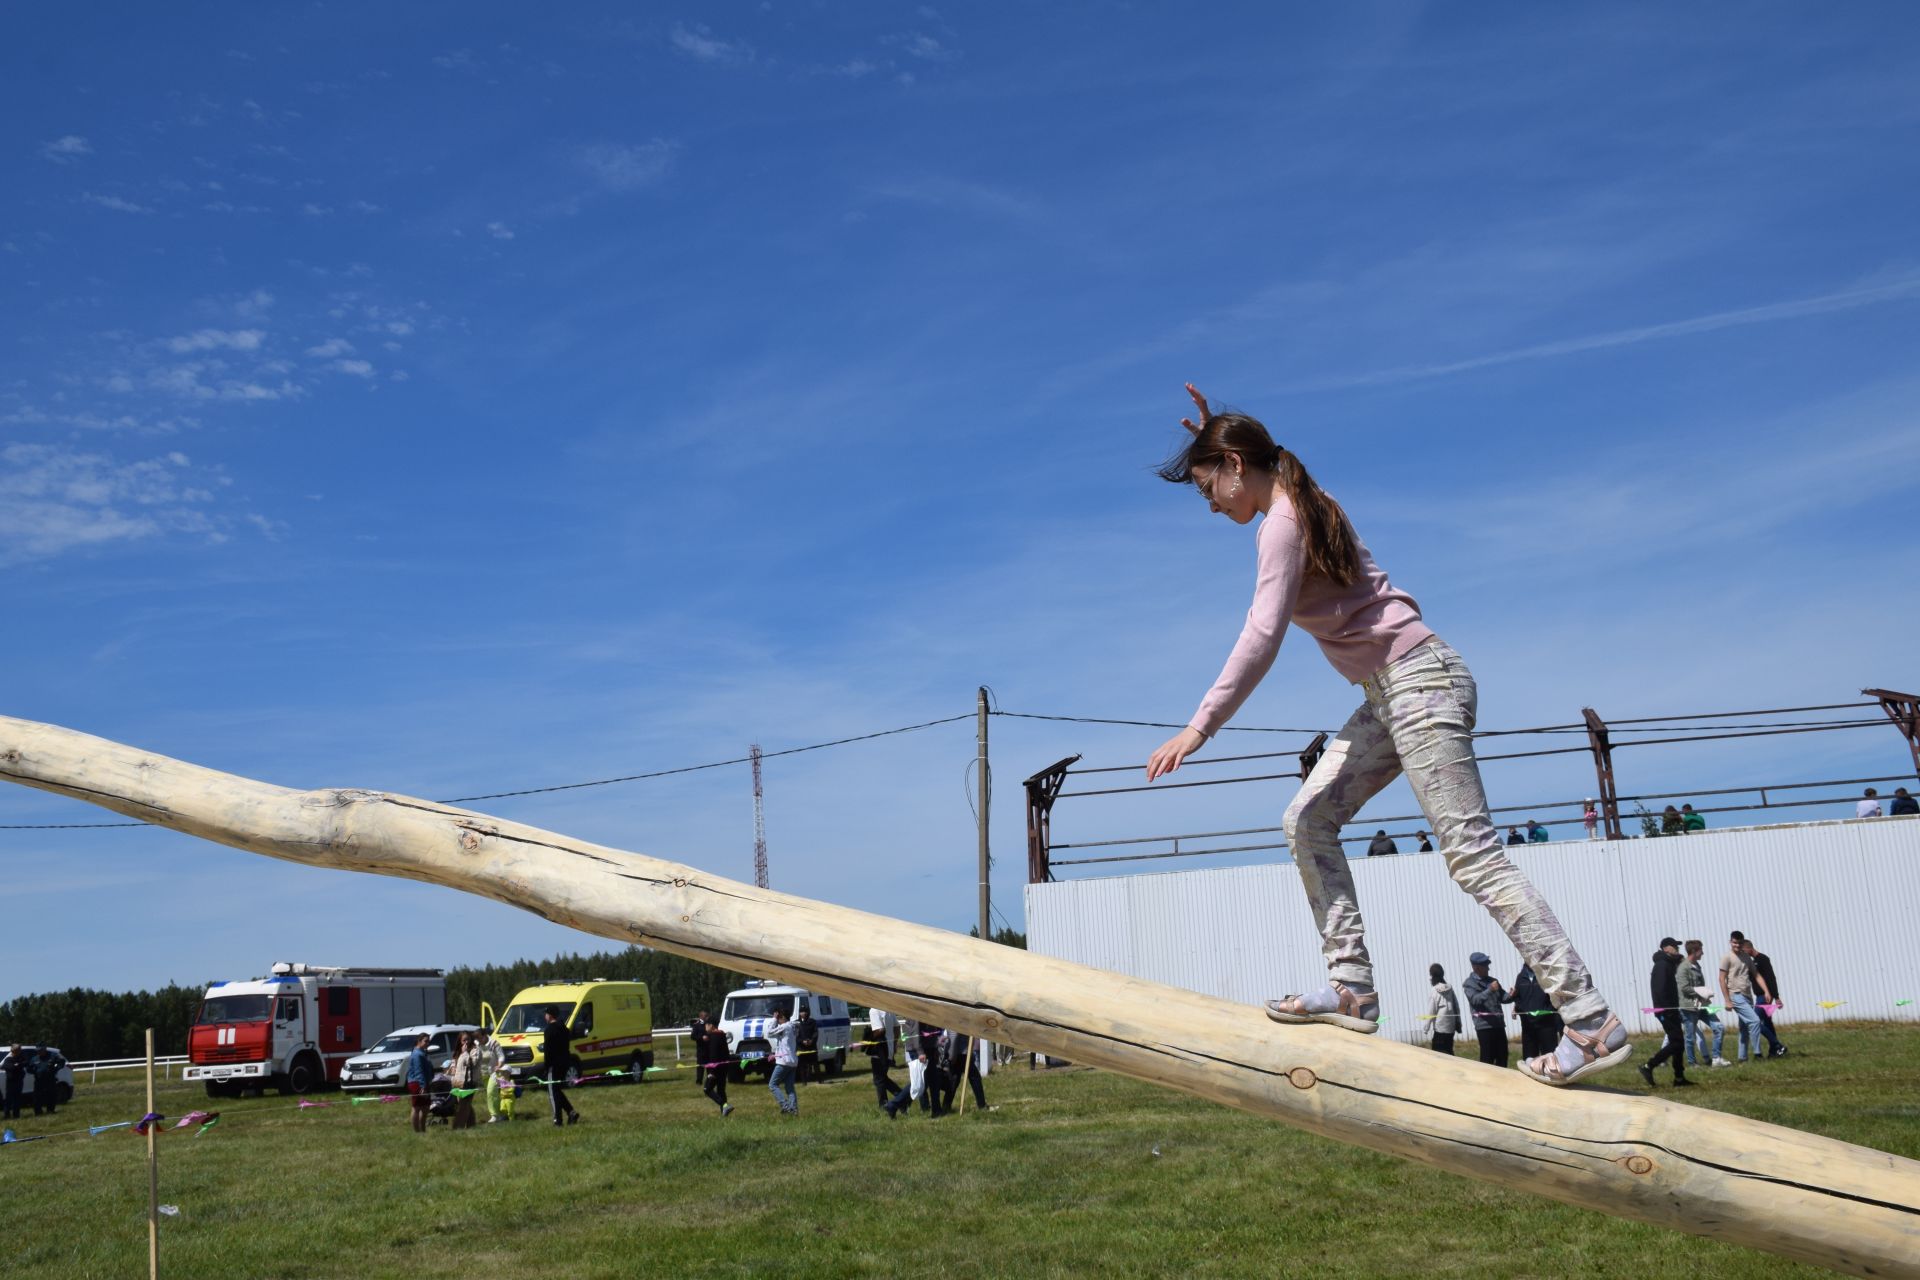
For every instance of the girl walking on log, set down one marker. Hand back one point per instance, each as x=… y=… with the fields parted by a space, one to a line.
x=1417 y=717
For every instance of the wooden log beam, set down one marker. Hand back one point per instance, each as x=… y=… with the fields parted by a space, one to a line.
x=1791 y=1193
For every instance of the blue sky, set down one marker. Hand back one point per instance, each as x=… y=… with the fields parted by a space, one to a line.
x=448 y=401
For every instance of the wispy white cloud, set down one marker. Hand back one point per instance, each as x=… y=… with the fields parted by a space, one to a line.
x=66 y=150
x=210 y=380
x=700 y=44
x=499 y=231
x=117 y=203
x=331 y=349
x=358 y=368
x=54 y=499
x=217 y=340
x=366 y=206
x=313 y=210
x=1792 y=309
x=628 y=166
x=458 y=60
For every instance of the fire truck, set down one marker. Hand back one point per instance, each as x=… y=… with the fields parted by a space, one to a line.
x=294 y=1028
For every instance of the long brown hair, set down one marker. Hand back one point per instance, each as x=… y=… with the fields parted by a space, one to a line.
x=1333 y=549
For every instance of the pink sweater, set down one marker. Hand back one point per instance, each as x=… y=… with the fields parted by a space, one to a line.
x=1361 y=628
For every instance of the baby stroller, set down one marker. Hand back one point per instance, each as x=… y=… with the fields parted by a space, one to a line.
x=440 y=1097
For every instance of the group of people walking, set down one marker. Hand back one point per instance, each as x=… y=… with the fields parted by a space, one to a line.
x=939 y=1060
x=1682 y=999
x=479 y=1068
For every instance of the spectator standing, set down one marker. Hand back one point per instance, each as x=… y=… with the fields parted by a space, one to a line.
x=556 y=1046
x=468 y=1079
x=1426 y=845
x=1514 y=837
x=784 y=1040
x=1381 y=845
x=961 y=1063
x=1443 y=1010
x=697 y=1037
x=1536 y=834
x=46 y=1079
x=1671 y=823
x=1540 y=1026
x=880 y=1058
x=806 y=1038
x=1904 y=805
x=1769 y=988
x=1590 y=819
x=500 y=1086
x=716 y=1055
x=1664 y=986
x=419 y=1082
x=1690 y=821
x=14 y=1069
x=1485 y=995
x=1868 y=806
x=1736 y=989
x=1696 y=1013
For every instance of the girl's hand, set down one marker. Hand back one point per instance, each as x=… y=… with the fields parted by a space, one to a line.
x=1205 y=413
x=1173 y=752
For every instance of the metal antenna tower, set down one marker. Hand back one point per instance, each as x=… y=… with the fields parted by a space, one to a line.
x=759 y=824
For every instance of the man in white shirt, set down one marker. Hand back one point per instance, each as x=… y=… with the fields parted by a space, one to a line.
x=1869 y=805
x=783 y=1039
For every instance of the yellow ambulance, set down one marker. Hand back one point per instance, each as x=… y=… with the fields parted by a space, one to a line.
x=612 y=1026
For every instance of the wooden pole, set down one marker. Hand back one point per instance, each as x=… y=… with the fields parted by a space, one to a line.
x=1795 y=1194
x=153 y=1173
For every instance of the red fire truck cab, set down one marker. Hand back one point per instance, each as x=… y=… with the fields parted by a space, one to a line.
x=294 y=1028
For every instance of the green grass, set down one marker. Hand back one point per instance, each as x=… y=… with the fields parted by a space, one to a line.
x=1060 y=1180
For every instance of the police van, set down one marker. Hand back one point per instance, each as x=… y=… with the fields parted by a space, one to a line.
x=748 y=1016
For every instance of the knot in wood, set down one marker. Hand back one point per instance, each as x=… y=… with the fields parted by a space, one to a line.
x=686 y=919
x=993 y=1022
x=1302 y=1078
x=469 y=841
x=679 y=882
x=1638 y=1165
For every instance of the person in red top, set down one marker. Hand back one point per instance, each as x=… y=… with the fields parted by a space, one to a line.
x=1417 y=717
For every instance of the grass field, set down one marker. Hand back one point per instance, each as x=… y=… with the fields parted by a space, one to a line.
x=1060 y=1179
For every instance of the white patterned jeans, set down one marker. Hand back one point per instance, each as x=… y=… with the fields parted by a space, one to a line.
x=1417 y=719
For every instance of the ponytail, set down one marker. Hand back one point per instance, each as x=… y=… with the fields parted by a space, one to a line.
x=1333 y=549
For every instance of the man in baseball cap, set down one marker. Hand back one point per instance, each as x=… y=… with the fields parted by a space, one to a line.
x=1485 y=996
x=1665 y=989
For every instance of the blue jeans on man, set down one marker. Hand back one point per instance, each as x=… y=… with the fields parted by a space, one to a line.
x=1750 y=1027
x=1698 y=1021
x=780 y=1085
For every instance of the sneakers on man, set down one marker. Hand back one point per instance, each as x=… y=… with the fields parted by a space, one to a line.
x=1779 y=1051
x=1581 y=1054
x=1681 y=1082
x=1646 y=1073
x=1719 y=1062
x=726 y=1109
x=1354 y=1008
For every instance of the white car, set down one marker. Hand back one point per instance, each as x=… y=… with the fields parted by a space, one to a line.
x=62 y=1075
x=384 y=1065
x=748 y=1015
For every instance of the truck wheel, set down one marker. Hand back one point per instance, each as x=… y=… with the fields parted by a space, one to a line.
x=213 y=1089
x=637 y=1067
x=303 y=1076
x=281 y=1085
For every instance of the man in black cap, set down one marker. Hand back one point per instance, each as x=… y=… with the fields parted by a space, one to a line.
x=1665 y=989
x=557 y=1049
x=1485 y=995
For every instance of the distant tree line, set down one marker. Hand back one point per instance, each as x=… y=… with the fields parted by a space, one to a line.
x=87 y=1024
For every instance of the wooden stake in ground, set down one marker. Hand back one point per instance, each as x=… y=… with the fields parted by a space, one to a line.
x=1767 y=1187
x=153 y=1173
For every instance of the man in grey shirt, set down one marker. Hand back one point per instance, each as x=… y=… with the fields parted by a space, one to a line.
x=1485 y=995
x=1696 y=1012
x=1736 y=989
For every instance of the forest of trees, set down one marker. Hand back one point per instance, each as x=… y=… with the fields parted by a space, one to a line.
x=88 y=1025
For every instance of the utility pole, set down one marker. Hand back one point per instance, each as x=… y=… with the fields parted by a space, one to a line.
x=759 y=824
x=983 y=789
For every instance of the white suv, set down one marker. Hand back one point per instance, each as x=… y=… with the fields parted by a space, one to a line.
x=384 y=1065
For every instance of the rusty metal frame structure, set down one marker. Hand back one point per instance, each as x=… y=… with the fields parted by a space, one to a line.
x=1602 y=746
x=1904 y=710
x=1045 y=787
